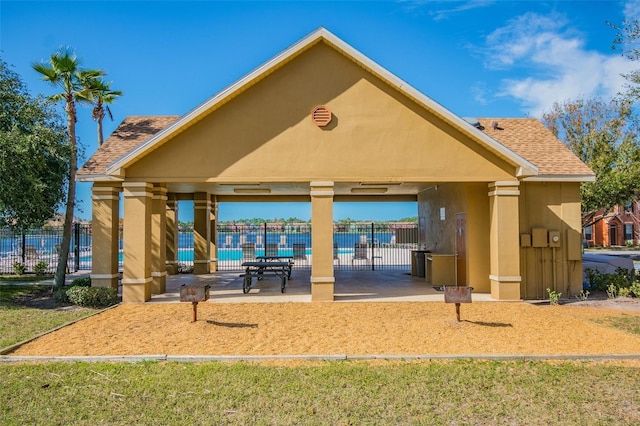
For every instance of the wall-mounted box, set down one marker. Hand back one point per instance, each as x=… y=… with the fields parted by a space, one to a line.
x=554 y=239
x=574 y=245
x=525 y=240
x=539 y=237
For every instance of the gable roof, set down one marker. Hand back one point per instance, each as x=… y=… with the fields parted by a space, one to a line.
x=115 y=169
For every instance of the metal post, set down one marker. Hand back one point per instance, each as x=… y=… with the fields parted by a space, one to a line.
x=195 y=311
x=373 y=266
x=76 y=249
x=264 y=243
x=458 y=312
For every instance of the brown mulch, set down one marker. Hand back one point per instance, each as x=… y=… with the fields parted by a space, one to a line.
x=371 y=328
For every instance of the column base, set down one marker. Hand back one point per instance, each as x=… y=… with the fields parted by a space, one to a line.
x=213 y=265
x=172 y=267
x=159 y=282
x=201 y=267
x=136 y=291
x=105 y=280
x=322 y=289
x=507 y=288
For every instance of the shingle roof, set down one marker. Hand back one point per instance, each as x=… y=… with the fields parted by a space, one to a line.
x=526 y=137
x=132 y=132
x=529 y=138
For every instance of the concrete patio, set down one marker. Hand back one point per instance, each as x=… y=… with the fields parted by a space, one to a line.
x=350 y=286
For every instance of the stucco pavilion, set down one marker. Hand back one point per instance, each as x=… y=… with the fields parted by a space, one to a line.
x=322 y=123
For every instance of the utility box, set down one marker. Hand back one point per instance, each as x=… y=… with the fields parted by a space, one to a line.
x=525 y=240
x=539 y=237
x=554 y=239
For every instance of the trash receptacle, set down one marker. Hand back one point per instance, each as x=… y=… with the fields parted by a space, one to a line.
x=418 y=258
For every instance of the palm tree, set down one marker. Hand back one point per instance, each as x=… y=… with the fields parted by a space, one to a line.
x=65 y=72
x=100 y=93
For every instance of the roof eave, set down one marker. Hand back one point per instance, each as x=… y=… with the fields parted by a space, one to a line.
x=561 y=178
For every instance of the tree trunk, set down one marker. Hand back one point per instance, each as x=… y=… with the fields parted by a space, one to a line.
x=63 y=256
x=100 y=137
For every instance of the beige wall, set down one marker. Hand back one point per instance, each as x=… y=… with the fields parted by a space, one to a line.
x=555 y=207
x=439 y=235
x=266 y=134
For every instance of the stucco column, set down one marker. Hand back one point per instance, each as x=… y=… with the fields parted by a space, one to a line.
x=105 y=235
x=136 y=280
x=171 y=237
x=213 y=248
x=158 y=240
x=504 y=240
x=322 y=277
x=201 y=232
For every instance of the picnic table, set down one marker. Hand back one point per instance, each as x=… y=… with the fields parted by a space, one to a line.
x=279 y=266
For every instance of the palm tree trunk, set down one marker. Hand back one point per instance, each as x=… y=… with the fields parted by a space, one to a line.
x=100 y=137
x=61 y=269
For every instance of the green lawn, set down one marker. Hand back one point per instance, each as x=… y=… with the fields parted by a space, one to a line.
x=25 y=312
x=625 y=322
x=328 y=393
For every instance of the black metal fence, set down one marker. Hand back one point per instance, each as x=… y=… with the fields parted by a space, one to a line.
x=41 y=247
x=356 y=245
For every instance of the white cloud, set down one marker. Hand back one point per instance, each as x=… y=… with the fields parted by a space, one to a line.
x=439 y=13
x=632 y=9
x=555 y=61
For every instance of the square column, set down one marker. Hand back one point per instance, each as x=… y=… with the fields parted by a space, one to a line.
x=136 y=280
x=322 y=277
x=504 y=236
x=213 y=243
x=105 y=235
x=171 y=237
x=159 y=240
x=201 y=232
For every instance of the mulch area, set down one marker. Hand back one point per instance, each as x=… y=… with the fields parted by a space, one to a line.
x=371 y=328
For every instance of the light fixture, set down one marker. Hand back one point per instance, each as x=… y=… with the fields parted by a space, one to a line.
x=252 y=190
x=380 y=183
x=369 y=190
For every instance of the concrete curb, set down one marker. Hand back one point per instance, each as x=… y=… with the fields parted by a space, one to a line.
x=336 y=357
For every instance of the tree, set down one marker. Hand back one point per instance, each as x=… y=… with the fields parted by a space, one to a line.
x=33 y=155
x=64 y=71
x=627 y=42
x=604 y=136
x=99 y=92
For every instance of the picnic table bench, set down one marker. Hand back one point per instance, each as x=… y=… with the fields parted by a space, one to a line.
x=267 y=265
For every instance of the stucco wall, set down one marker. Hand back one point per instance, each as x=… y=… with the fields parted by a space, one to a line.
x=555 y=207
x=266 y=134
x=439 y=236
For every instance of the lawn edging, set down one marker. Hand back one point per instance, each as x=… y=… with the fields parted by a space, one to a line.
x=335 y=357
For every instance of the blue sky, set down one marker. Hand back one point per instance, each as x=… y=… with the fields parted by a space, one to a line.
x=477 y=58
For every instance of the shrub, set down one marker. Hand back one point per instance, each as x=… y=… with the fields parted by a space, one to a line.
x=612 y=291
x=93 y=296
x=60 y=295
x=185 y=269
x=81 y=282
x=19 y=268
x=635 y=288
x=41 y=267
x=624 y=292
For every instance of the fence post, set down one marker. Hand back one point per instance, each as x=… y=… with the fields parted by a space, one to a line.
x=76 y=249
x=373 y=259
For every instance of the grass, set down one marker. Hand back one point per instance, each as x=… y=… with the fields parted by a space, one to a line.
x=321 y=393
x=328 y=393
x=628 y=323
x=25 y=278
x=20 y=320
